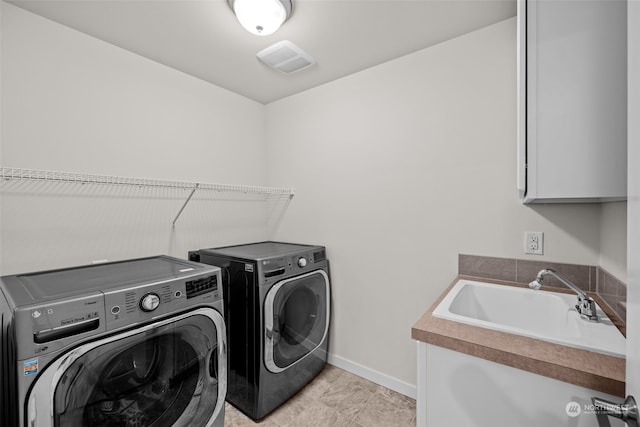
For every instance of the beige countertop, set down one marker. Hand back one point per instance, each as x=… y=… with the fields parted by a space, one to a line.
x=584 y=368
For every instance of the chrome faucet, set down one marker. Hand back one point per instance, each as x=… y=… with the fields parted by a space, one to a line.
x=586 y=306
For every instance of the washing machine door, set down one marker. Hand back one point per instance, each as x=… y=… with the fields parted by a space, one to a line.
x=296 y=316
x=169 y=373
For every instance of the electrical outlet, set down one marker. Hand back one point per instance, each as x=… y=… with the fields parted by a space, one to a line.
x=533 y=242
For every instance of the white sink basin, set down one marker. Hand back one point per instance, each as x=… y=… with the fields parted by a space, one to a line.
x=548 y=316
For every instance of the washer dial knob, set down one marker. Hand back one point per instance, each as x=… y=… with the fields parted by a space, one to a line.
x=149 y=302
x=302 y=262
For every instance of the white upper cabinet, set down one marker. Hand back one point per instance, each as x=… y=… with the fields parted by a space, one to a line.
x=572 y=100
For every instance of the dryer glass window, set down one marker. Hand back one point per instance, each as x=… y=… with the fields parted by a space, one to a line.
x=299 y=312
x=167 y=376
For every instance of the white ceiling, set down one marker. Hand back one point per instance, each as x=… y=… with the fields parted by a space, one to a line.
x=204 y=39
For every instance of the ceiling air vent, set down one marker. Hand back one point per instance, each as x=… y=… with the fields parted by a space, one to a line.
x=286 y=57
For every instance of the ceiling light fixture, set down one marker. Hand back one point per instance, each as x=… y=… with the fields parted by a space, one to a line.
x=261 y=17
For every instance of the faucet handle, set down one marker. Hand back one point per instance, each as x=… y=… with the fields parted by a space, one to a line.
x=534 y=284
x=587 y=309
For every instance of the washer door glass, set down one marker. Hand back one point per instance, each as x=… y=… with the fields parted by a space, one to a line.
x=296 y=319
x=167 y=375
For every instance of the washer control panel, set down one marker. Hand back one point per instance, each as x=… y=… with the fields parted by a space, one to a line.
x=142 y=303
x=58 y=308
x=48 y=326
x=150 y=302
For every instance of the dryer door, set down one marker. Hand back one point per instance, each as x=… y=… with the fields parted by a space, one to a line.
x=296 y=316
x=169 y=373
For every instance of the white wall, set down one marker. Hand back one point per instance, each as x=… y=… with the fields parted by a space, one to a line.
x=400 y=168
x=613 y=239
x=633 y=240
x=73 y=103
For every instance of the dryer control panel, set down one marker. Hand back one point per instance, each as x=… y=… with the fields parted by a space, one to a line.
x=273 y=269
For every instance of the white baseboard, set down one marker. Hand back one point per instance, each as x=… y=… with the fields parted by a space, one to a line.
x=373 y=375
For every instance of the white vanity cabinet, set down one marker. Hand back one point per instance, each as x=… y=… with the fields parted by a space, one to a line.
x=572 y=115
x=455 y=389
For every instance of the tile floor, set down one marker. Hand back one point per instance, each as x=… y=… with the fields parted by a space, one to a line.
x=336 y=398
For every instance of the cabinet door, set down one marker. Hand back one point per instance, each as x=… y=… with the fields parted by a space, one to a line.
x=572 y=119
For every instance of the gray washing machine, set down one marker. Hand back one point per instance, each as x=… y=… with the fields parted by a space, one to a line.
x=132 y=343
x=277 y=311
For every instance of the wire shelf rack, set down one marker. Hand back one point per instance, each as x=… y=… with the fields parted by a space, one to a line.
x=20 y=174
x=7 y=173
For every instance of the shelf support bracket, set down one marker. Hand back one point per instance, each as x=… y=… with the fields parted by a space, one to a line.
x=184 y=205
